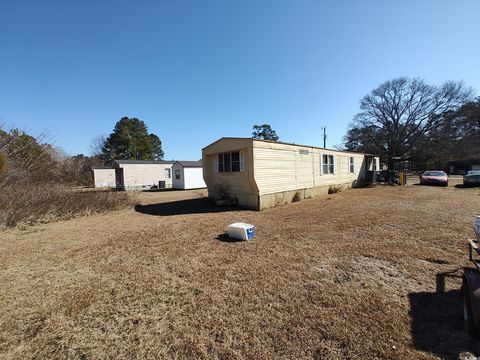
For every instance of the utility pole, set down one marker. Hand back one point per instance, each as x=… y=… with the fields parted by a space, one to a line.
x=324 y=137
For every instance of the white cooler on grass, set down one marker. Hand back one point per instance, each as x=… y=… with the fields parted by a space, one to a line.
x=241 y=231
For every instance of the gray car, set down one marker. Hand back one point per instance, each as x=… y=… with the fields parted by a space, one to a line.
x=471 y=178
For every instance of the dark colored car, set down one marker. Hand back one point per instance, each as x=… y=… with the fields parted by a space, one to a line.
x=434 y=177
x=471 y=178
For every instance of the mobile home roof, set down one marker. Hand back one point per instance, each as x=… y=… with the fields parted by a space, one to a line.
x=290 y=144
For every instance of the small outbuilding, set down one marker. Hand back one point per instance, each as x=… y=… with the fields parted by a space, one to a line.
x=188 y=175
x=142 y=174
x=461 y=167
x=260 y=174
x=103 y=177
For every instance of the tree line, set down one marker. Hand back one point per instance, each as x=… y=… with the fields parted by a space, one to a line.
x=27 y=160
x=32 y=159
x=405 y=119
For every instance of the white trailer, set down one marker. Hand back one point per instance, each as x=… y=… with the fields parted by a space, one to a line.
x=143 y=174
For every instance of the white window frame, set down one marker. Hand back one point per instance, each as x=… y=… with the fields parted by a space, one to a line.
x=168 y=173
x=330 y=165
x=351 y=165
x=178 y=172
x=220 y=162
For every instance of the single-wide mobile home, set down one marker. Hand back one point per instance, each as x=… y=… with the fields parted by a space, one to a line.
x=188 y=175
x=142 y=174
x=103 y=177
x=260 y=174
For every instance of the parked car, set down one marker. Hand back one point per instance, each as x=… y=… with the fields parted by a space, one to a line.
x=472 y=177
x=434 y=177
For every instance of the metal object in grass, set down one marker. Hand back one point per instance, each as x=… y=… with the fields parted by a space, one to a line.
x=471 y=285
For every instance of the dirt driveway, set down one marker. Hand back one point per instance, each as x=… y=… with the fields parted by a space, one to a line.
x=366 y=273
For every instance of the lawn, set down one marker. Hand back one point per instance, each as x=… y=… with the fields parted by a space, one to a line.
x=365 y=273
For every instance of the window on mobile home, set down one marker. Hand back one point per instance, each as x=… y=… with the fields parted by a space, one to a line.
x=328 y=164
x=229 y=162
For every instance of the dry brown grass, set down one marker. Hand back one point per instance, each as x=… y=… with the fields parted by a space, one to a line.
x=25 y=204
x=366 y=273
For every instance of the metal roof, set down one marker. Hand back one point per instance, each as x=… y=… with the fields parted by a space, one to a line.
x=189 y=163
x=139 y=162
x=291 y=144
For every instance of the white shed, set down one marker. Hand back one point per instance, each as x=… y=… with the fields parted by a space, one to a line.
x=188 y=175
x=104 y=177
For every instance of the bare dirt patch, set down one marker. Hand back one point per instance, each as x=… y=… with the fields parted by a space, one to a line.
x=365 y=273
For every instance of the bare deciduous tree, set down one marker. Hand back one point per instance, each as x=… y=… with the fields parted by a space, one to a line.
x=97 y=144
x=26 y=156
x=398 y=112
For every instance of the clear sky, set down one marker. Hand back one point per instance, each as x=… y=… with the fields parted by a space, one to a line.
x=195 y=71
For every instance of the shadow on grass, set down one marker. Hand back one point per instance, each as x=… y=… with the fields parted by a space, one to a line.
x=432 y=184
x=225 y=238
x=181 y=207
x=462 y=186
x=437 y=321
x=161 y=190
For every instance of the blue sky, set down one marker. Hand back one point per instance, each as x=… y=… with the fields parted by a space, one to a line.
x=195 y=71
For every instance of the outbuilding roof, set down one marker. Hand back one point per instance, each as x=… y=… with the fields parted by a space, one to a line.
x=189 y=163
x=139 y=162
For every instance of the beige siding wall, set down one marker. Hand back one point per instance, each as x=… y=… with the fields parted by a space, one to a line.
x=275 y=172
x=137 y=176
x=238 y=185
x=281 y=167
x=104 y=178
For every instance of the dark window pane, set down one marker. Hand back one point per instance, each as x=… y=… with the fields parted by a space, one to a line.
x=235 y=161
x=220 y=163
x=226 y=159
